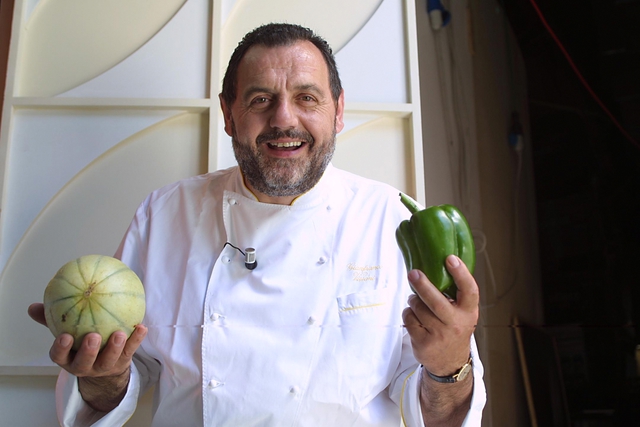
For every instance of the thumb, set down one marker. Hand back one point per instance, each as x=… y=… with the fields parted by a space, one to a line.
x=36 y=312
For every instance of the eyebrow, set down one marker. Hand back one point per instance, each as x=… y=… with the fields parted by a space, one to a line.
x=251 y=90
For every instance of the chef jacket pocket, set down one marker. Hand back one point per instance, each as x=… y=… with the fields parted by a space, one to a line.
x=362 y=302
x=364 y=348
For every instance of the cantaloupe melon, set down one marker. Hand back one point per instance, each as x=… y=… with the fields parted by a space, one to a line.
x=94 y=293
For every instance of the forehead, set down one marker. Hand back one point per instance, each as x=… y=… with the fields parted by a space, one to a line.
x=300 y=61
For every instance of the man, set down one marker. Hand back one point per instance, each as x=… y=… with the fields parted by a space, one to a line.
x=320 y=332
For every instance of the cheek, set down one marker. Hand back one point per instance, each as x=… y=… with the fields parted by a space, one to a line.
x=249 y=126
x=319 y=126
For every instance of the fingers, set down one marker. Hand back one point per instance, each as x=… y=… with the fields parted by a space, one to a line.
x=440 y=329
x=83 y=362
x=60 y=352
x=436 y=302
x=90 y=361
x=134 y=341
x=424 y=315
x=409 y=317
x=468 y=296
x=119 y=350
x=36 y=312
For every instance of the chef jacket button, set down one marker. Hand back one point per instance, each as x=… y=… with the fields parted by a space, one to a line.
x=214 y=317
x=322 y=260
x=233 y=202
x=294 y=390
x=214 y=384
x=226 y=259
x=311 y=320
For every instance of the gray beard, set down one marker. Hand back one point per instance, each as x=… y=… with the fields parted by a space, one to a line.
x=283 y=177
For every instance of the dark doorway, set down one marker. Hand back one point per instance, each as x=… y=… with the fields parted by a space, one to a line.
x=587 y=178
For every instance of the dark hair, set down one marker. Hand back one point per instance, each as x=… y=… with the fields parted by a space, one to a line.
x=274 y=35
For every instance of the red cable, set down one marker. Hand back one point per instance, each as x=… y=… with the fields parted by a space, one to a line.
x=582 y=79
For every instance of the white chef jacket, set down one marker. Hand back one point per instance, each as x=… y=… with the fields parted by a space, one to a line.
x=311 y=337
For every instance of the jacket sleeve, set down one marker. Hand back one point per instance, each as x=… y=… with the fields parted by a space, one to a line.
x=71 y=409
x=405 y=391
x=74 y=412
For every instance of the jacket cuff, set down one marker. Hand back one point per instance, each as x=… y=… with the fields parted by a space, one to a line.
x=411 y=409
x=73 y=411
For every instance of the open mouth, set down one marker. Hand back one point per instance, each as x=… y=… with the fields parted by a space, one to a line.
x=290 y=145
x=285 y=140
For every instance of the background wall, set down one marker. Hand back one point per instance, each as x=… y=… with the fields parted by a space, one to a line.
x=472 y=78
x=508 y=206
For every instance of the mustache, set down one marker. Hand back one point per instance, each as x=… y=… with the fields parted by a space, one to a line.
x=276 y=134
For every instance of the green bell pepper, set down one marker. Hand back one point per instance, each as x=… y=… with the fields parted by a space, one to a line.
x=429 y=236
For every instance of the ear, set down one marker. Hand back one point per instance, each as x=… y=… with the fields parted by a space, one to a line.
x=340 y=113
x=228 y=119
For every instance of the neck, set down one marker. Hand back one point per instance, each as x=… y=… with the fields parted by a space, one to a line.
x=277 y=200
x=264 y=198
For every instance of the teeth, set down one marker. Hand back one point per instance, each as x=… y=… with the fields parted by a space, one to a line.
x=287 y=144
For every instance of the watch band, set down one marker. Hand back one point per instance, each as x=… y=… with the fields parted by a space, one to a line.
x=460 y=375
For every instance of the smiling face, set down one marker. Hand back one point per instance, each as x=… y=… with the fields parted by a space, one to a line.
x=283 y=121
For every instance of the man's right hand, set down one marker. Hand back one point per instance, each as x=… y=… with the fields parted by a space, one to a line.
x=103 y=376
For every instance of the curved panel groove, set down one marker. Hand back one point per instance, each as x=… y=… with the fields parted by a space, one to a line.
x=90 y=215
x=320 y=16
x=68 y=42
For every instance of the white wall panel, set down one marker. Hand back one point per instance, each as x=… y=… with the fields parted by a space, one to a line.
x=174 y=63
x=373 y=64
x=106 y=101
x=48 y=148
x=68 y=42
x=89 y=215
x=378 y=149
x=321 y=16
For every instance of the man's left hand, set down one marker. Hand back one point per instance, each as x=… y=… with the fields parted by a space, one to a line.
x=440 y=328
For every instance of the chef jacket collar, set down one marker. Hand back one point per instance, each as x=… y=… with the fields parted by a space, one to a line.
x=316 y=195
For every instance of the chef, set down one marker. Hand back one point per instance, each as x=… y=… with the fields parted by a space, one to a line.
x=276 y=294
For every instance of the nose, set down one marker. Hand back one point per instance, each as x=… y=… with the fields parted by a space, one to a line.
x=284 y=116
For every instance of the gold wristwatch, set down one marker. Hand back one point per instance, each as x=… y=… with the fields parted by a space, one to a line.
x=460 y=375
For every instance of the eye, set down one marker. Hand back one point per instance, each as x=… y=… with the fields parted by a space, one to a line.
x=260 y=103
x=259 y=100
x=307 y=98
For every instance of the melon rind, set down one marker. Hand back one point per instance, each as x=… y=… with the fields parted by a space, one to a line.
x=116 y=300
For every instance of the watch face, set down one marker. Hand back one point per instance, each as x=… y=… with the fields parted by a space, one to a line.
x=464 y=372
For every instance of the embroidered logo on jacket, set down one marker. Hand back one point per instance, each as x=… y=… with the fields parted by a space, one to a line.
x=363 y=273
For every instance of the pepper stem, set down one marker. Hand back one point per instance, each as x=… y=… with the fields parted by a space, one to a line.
x=411 y=204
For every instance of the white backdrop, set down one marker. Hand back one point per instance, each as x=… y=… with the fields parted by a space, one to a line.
x=106 y=101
